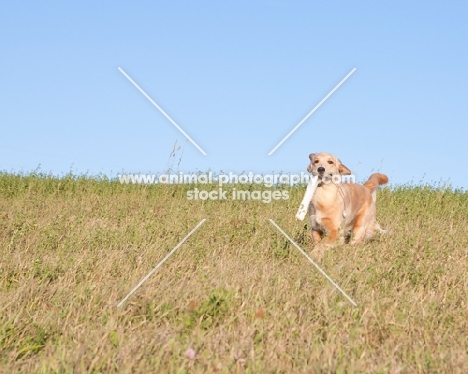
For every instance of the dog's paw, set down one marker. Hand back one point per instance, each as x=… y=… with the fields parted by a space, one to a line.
x=379 y=229
x=319 y=251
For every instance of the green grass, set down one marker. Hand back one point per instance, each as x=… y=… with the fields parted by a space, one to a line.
x=236 y=291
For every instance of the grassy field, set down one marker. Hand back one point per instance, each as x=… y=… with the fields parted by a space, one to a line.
x=236 y=292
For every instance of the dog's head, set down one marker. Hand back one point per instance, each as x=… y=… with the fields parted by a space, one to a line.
x=325 y=164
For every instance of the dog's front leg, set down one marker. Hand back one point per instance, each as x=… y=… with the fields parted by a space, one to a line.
x=315 y=227
x=316 y=236
x=332 y=231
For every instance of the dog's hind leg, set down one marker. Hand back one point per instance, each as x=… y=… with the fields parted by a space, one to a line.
x=360 y=228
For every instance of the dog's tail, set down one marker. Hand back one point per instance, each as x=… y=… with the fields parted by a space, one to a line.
x=374 y=181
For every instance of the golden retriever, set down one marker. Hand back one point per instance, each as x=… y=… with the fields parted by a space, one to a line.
x=342 y=210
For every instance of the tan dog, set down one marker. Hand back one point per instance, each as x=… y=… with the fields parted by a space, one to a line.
x=342 y=208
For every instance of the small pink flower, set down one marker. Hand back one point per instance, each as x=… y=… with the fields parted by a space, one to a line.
x=190 y=353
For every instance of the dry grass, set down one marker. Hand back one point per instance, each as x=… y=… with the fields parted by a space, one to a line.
x=236 y=292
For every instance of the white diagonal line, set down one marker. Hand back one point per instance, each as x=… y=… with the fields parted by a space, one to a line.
x=162 y=111
x=312 y=111
x=313 y=263
x=161 y=262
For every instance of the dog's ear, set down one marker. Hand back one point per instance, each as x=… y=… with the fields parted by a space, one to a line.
x=309 y=168
x=343 y=170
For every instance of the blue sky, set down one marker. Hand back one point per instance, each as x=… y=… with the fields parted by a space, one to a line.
x=237 y=76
